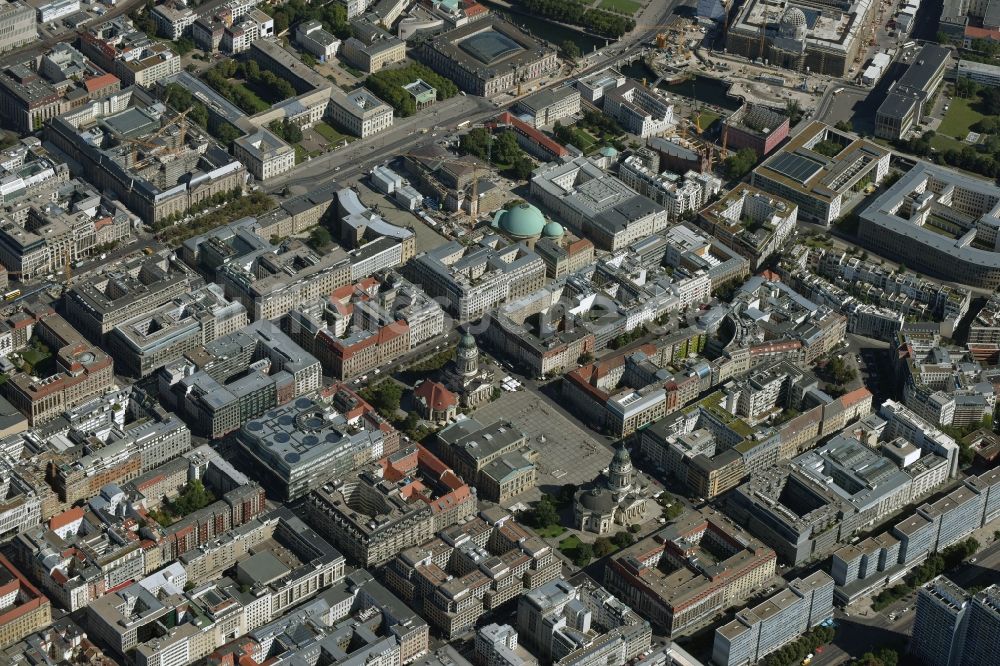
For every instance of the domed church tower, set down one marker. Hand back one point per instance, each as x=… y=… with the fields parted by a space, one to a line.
x=620 y=473
x=467 y=357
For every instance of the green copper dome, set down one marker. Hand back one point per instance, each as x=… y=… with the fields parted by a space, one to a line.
x=467 y=341
x=608 y=151
x=521 y=221
x=552 y=230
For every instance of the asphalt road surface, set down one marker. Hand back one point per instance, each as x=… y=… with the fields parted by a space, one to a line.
x=363 y=154
x=857 y=634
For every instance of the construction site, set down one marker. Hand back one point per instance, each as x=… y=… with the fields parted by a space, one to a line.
x=805 y=36
x=156 y=162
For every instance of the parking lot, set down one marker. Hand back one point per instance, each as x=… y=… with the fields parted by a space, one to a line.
x=567 y=452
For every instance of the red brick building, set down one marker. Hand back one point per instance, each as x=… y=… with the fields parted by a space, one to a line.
x=757 y=127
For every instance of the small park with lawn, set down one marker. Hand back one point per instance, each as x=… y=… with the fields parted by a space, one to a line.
x=960 y=118
x=629 y=7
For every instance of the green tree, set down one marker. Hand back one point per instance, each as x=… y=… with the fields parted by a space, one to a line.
x=603 y=546
x=740 y=163
x=199 y=115
x=567 y=492
x=184 y=45
x=522 y=168
x=505 y=148
x=319 y=237
x=794 y=111
x=544 y=513
x=991 y=100
x=293 y=133
x=570 y=49
x=476 y=142
x=583 y=555
x=966 y=88
x=623 y=539
x=840 y=372
x=384 y=396
x=226 y=133
x=194 y=496
x=388 y=86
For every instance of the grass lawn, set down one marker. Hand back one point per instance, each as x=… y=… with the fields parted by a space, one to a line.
x=623 y=6
x=707 y=118
x=34 y=356
x=331 y=134
x=267 y=95
x=939 y=231
x=584 y=140
x=256 y=99
x=569 y=545
x=301 y=153
x=960 y=117
x=942 y=143
x=40 y=361
x=551 y=531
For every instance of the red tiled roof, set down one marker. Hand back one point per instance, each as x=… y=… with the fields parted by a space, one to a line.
x=972 y=32
x=855 y=396
x=506 y=118
x=99 y=82
x=770 y=275
x=65 y=518
x=435 y=395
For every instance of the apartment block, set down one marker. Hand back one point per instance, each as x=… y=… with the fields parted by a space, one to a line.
x=82 y=371
x=580 y=624
x=757 y=632
x=470 y=569
x=24 y=610
x=659 y=579
x=366 y=514
x=475 y=279
x=222 y=384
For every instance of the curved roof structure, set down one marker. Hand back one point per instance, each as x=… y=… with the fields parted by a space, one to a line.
x=521 y=221
x=552 y=229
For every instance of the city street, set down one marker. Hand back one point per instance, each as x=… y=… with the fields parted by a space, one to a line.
x=857 y=634
x=363 y=154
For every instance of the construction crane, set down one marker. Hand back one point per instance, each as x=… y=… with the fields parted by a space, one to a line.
x=476 y=168
x=763 y=33
x=697 y=116
x=149 y=142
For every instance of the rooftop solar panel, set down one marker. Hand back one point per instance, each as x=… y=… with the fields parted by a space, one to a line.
x=796 y=167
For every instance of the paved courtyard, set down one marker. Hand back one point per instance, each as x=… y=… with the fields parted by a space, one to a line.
x=567 y=452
